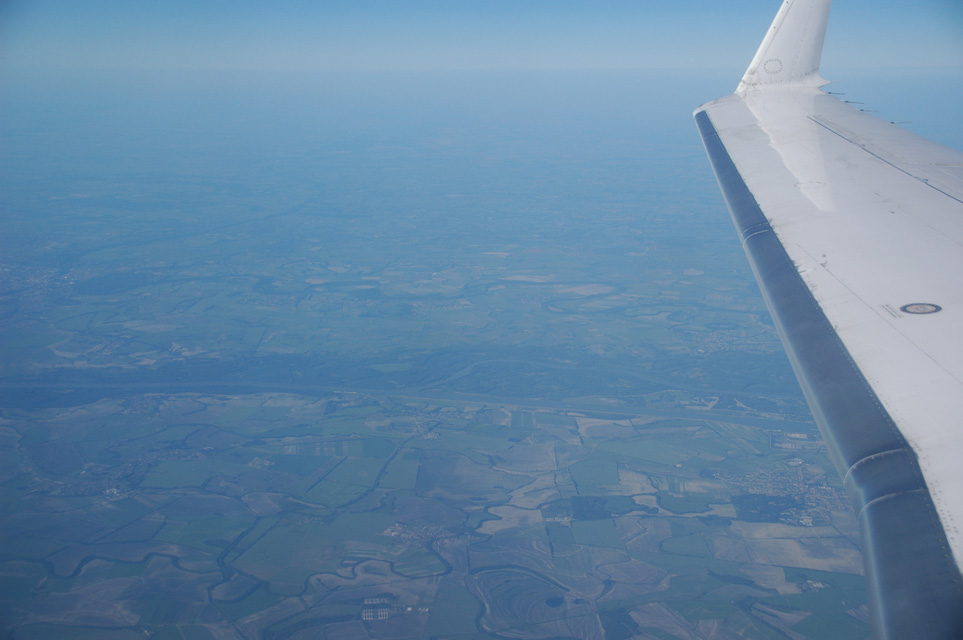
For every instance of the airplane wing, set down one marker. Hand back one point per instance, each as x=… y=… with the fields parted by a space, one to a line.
x=854 y=230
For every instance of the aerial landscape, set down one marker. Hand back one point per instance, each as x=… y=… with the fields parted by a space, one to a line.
x=376 y=400
x=419 y=354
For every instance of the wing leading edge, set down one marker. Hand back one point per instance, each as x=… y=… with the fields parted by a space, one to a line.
x=854 y=230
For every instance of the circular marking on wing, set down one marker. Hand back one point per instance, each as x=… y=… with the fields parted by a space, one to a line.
x=772 y=66
x=920 y=308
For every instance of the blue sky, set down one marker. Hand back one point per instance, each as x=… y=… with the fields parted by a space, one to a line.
x=359 y=35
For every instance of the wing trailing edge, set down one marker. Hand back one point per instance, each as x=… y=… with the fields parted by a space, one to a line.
x=913 y=582
x=846 y=220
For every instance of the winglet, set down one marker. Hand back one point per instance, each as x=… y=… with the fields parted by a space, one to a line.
x=790 y=52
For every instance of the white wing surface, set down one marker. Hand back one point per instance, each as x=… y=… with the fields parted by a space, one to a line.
x=854 y=229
